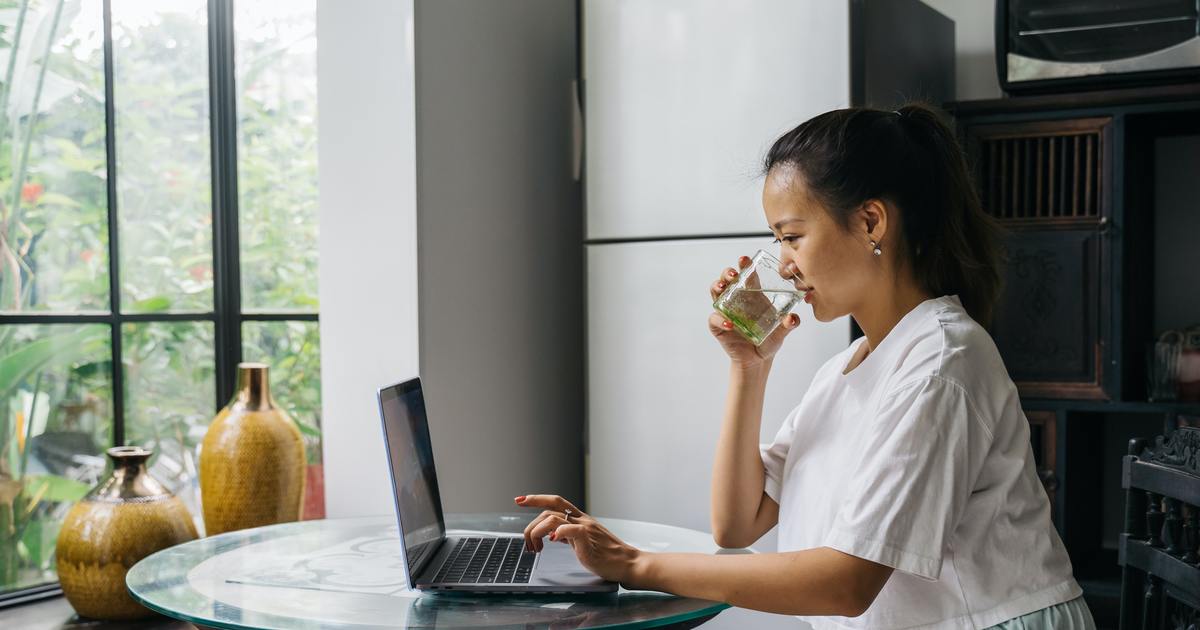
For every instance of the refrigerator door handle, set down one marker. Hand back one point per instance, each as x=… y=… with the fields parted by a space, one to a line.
x=577 y=129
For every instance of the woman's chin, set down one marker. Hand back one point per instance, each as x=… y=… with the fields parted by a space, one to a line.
x=822 y=314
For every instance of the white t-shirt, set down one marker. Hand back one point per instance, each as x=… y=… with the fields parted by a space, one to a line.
x=920 y=459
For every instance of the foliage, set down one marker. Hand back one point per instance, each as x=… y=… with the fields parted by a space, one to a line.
x=55 y=419
x=277 y=163
x=50 y=376
x=164 y=196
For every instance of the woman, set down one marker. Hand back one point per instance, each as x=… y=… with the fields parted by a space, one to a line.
x=903 y=484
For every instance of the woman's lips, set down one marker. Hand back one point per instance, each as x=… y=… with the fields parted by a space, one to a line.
x=808 y=296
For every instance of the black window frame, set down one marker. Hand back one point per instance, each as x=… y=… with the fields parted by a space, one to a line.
x=227 y=315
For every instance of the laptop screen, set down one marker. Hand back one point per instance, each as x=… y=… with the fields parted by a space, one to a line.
x=414 y=481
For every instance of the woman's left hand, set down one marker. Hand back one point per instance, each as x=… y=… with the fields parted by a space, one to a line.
x=598 y=549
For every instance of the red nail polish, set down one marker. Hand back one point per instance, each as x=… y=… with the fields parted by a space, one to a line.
x=519 y=499
x=551 y=535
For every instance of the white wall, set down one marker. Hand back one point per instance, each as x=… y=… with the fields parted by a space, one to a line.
x=368 y=248
x=975 y=70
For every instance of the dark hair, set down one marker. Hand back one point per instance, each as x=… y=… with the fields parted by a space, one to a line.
x=910 y=158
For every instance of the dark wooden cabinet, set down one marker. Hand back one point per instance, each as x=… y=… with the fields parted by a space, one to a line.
x=1048 y=324
x=1049 y=183
x=1076 y=182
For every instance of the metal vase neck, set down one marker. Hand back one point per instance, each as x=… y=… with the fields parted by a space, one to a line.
x=253 y=388
x=130 y=481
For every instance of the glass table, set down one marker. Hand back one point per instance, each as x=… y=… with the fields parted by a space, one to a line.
x=347 y=573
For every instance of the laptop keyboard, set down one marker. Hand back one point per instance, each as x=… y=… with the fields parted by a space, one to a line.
x=487 y=561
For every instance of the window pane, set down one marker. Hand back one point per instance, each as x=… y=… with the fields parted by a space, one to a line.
x=169 y=398
x=55 y=422
x=293 y=351
x=160 y=68
x=52 y=159
x=276 y=59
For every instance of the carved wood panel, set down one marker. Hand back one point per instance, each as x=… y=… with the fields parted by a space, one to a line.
x=1047 y=324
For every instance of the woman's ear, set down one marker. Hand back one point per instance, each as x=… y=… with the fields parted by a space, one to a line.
x=873 y=220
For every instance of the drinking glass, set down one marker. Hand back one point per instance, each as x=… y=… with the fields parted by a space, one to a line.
x=759 y=299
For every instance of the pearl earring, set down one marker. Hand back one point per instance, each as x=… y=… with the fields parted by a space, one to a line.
x=875 y=248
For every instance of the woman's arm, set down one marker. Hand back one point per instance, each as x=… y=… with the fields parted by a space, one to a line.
x=741 y=511
x=819 y=581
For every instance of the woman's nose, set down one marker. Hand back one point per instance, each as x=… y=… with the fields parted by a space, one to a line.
x=789 y=270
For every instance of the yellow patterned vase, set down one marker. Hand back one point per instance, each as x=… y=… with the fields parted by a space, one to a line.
x=252 y=460
x=129 y=516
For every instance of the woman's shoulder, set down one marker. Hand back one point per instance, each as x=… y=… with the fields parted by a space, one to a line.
x=950 y=345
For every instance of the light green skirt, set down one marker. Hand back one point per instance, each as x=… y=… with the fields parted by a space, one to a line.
x=1072 y=615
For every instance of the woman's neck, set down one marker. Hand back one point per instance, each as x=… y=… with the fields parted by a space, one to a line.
x=879 y=317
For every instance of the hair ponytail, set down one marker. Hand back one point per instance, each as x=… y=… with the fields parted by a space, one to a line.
x=911 y=158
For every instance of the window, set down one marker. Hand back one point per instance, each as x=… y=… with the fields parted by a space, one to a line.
x=157 y=225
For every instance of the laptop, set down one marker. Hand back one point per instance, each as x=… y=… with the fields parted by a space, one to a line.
x=479 y=563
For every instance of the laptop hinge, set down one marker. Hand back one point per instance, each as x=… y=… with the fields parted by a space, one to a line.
x=427 y=557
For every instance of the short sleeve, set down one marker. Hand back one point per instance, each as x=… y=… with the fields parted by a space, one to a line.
x=774 y=455
x=920 y=457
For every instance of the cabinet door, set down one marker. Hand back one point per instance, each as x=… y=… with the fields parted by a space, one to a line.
x=1049 y=184
x=1047 y=324
x=682 y=98
x=657 y=379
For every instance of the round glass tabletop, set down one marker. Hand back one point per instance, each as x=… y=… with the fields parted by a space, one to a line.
x=347 y=573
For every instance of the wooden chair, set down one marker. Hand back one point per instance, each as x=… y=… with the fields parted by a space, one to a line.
x=1159 y=555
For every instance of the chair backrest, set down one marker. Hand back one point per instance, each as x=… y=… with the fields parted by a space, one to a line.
x=1159 y=554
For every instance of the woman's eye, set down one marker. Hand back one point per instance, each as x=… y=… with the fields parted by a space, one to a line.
x=787 y=239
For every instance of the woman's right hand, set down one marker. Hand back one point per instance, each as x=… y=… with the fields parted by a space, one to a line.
x=741 y=351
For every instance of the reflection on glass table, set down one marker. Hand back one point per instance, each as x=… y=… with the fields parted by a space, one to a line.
x=348 y=573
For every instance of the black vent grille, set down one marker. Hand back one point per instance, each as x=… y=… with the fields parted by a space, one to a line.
x=1042 y=174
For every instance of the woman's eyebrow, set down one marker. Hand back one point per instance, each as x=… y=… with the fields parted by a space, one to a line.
x=786 y=221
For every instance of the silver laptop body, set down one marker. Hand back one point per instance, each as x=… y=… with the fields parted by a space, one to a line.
x=484 y=563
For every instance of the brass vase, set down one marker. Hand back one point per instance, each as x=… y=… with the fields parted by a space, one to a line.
x=129 y=516
x=252 y=460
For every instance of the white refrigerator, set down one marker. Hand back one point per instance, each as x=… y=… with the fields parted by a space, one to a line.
x=682 y=98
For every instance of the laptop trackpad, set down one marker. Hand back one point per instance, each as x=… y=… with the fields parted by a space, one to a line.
x=558 y=564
